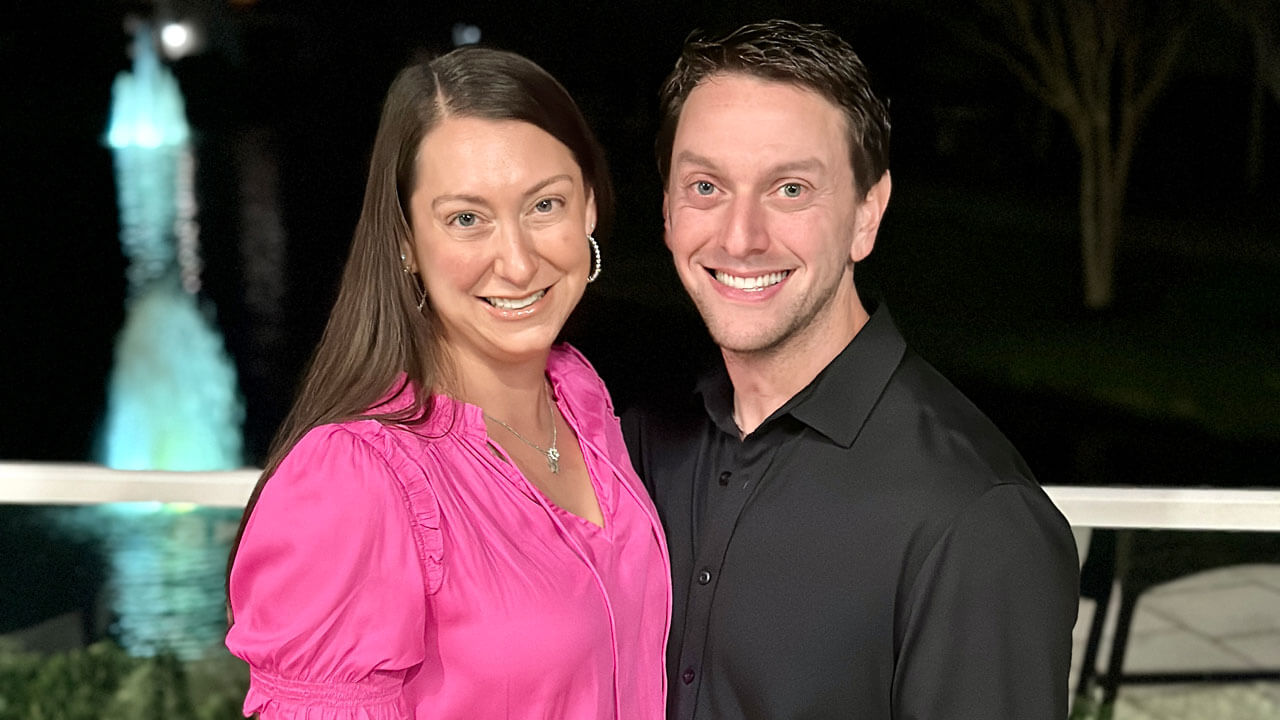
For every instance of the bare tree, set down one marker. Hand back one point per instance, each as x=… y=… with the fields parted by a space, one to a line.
x=1100 y=64
x=1261 y=20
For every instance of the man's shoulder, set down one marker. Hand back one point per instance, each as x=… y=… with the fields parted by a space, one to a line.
x=924 y=418
x=939 y=458
x=663 y=435
x=669 y=421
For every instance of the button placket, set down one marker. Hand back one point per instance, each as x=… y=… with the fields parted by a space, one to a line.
x=733 y=460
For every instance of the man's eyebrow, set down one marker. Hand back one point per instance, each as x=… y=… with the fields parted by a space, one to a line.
x=688 y=157
x=805 y=165
x=811 y=164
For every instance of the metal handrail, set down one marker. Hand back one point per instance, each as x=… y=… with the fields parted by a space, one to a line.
x=32 y=483
x=1168 y=508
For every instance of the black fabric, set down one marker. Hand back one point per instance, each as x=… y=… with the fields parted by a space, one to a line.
x=875 y=549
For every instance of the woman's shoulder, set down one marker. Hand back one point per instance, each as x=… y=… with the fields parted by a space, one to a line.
x=346 y=458
x=354 y=436
x=358 y=466
x=573 y=376
x=361 y=460
x=567 y=358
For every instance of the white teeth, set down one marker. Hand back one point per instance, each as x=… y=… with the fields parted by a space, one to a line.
x=751 y=284
x=515 y=303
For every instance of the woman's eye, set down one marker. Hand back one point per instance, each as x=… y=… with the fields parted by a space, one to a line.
x=465 y=219
x=791 y=190
x=545 y=205
x=703 y=187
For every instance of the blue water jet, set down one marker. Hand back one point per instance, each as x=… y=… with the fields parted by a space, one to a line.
x=172 y=400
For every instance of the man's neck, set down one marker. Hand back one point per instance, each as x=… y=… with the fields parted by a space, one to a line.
x=765 y=381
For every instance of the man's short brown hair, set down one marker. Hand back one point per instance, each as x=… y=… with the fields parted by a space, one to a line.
x=810 y=56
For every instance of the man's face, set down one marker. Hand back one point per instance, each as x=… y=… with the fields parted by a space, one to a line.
x=762 y=218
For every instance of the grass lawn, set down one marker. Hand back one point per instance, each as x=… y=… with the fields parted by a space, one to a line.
x=1193 y=338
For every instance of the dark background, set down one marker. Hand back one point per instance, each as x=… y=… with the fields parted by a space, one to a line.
x=978 y=258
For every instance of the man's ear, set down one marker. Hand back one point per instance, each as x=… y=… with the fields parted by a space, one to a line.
x=666 y=214
x=870 y=212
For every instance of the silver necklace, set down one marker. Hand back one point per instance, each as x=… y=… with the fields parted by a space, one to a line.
x=553 y=454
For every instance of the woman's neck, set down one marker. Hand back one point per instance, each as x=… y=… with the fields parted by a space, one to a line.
x=514 y=392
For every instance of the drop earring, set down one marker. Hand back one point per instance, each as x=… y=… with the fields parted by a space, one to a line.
x=418 y=289
x=595 y=251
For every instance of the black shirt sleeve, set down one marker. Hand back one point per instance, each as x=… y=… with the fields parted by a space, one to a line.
x=990 y=615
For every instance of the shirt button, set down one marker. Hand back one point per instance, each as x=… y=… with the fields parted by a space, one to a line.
x=687 y=676
x=724 y=478
x=704 y=577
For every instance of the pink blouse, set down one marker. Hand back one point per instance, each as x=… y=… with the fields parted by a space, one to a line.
x=406 y=572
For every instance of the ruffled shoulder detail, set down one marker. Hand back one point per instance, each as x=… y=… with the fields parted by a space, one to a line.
x=424 y=510
x=583 y=394
x=573 y=376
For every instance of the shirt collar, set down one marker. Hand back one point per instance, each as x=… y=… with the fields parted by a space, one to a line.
x=838 y=401
x=572 y=379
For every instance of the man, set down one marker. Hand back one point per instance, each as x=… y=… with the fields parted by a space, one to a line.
x=850 y=537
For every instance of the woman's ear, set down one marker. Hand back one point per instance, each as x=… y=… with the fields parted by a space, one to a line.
x=408 y=261
x=591 y=211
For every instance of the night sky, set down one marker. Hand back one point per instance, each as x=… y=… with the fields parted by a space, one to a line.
x=305 y=85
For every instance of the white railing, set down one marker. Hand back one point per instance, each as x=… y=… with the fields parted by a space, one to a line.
x=1101 y=507
x=85 y=484
x=1169 y=508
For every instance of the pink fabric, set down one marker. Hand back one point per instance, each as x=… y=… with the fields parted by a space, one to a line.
x=391 y=573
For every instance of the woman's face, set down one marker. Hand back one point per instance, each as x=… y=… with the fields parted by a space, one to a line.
x=500 y=219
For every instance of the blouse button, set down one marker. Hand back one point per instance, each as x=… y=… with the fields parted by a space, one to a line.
x=704 y=577
x=724 y=478
x=687 y=676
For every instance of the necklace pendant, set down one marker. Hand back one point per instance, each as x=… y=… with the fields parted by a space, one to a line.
x=553 y=460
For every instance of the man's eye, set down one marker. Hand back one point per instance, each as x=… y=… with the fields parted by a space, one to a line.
x=464 y=219
x=704 y=188
x=792 y=190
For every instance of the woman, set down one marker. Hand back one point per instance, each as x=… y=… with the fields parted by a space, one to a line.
x=449 y=525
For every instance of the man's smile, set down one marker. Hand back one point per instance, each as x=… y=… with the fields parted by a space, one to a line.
x=750 y=284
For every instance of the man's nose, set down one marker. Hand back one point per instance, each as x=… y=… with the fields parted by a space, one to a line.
x=745 y=233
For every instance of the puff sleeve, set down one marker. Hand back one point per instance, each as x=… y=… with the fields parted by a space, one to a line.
x=327 y=588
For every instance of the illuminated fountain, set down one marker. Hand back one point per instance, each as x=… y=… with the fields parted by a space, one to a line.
x=172 y=401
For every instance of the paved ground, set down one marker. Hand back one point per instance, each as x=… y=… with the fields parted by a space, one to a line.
x=1227 y=619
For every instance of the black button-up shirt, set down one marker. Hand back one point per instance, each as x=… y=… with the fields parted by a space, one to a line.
x=875 y=549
